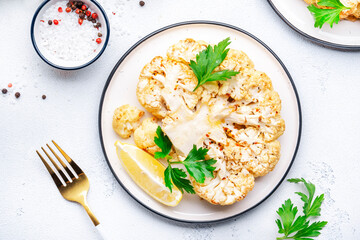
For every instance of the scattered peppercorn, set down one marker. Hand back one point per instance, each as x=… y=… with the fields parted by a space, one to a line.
x=89 y=18
x=93 y=21
x=88 y=13
x=60 y=9
x=83 y=7
x=43 y=97
x=10 y=85
x=142 y=3
x=68 y=4
x=80 y=21
x=99 y=35
x=4 y=91
x=98 y=25
x=68 y=9
x=73 y=7
x=50 y=22
x=81 y=15
x=98 y=40
x=77 y=11
x=94 y=16
x=17 y=94
x=56 y=22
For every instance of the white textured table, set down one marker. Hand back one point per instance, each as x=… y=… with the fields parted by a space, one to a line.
x=31 y=207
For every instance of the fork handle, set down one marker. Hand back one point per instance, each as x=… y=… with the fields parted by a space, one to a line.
x=90 y=213
x=104 y=233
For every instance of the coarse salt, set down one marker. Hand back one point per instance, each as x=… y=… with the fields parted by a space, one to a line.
x=68 y=40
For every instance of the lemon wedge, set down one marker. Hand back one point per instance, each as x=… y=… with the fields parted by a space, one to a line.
x=147 y=172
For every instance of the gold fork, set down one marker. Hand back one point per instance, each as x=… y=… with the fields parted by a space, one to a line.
x=75 y=188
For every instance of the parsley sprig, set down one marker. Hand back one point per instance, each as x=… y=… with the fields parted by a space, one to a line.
x=331 y=15
x=206 y=62
x=299 y=228
x=194 y=163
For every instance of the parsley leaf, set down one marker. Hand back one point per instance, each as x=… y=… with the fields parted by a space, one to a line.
x=163 y=143
x=206 y=62
x=197 y=166
x=178 y=177
x=289 y=224
x=331 y=15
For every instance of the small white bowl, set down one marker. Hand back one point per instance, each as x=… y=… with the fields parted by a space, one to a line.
x=63 y=64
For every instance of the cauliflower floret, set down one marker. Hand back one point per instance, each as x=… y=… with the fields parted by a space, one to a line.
x=186 y=50
x=126 y=119
x=231 y=183
x=144 y=136
x=164 y=86
x=258 y=157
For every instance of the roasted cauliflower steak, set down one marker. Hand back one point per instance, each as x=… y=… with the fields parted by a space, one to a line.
x=237 y=120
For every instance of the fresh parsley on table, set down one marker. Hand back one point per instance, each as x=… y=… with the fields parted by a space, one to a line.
x=195 y=164
x=299 y=228
x=206 y=62
x=330 y=15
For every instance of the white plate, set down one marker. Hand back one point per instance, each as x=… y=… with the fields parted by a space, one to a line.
x=121 y=89
x=345 y=35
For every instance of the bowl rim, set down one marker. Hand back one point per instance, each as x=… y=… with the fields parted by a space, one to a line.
x=59 y=66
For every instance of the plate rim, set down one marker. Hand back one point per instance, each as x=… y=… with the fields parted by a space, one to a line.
x=316 y=40
x=167 y=28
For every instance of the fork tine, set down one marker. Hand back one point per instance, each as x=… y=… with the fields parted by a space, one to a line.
x=61 y=162
x=53 y=175
x=76 y=168
x=56 y=166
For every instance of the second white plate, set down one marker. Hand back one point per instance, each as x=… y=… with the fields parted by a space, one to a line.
x=121 y=89
x=344 y=36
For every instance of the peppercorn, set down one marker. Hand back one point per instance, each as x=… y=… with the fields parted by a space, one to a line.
x=83 y=7
x=50 y=22
x=81 y=15
x=142 y=3
x=60 y=9
x=68 y=4
x=17 y=94
x=99 y=35
x=93 y=21
x=43 y=97
x=97 y=25
x=56 y=22
x=73 y=7
x=89 y=18
x=68 y=9
x=80 y=21
x=4 y=90
x=94 y=16
x=79 y=4
x=88 y=13
x=98 y=40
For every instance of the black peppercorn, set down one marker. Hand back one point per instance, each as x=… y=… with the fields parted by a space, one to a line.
x=73 y=7
x=89 y=18
x=68 y=4
x=93 y=21
x=81 y=15
x=17 y=94
x=43 y=97
x=99 y=35
x=98 y=25
x=50 y=22
x=4 y=90
x=141 y=3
